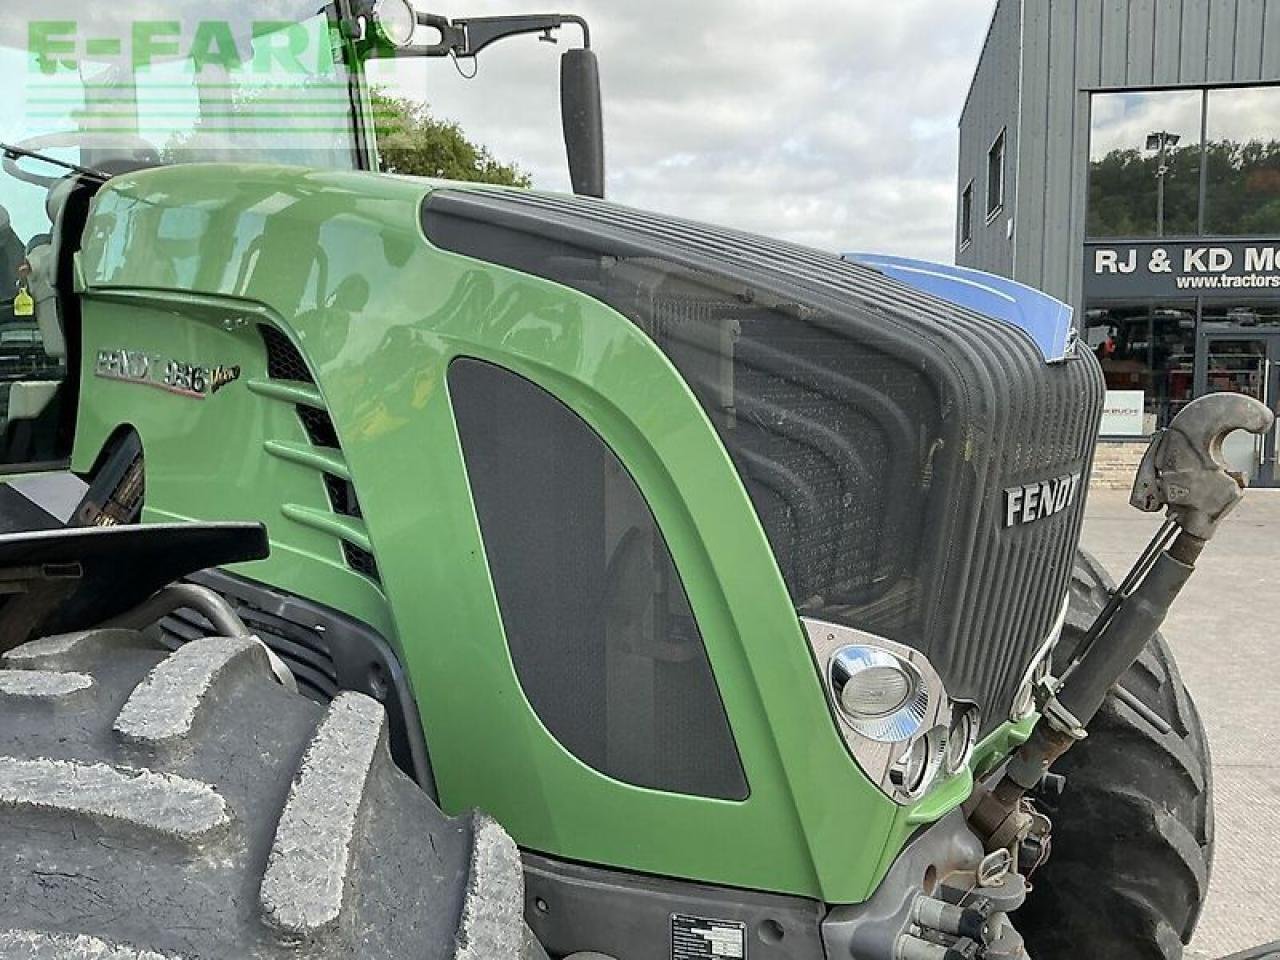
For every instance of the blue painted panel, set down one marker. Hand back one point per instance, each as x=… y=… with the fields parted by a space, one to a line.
x=1046 y=320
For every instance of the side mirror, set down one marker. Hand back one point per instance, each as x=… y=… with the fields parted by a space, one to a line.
x=583 y=121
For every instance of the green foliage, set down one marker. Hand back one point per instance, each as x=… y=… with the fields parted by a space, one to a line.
x=1242 y=186
x=411 y=141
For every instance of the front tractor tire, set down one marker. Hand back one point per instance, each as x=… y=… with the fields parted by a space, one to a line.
x=160 y=806
x=1133 y=827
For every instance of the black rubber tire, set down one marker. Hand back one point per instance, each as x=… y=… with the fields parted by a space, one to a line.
x=157 y=805
x=1133 y=829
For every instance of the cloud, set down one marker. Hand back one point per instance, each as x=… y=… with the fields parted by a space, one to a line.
x=828 y=123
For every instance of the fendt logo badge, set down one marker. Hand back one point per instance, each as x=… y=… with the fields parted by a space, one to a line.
x=153 y=370
x=1035 y=501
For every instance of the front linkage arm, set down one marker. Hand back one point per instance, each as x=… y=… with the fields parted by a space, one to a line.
x=1183 y=471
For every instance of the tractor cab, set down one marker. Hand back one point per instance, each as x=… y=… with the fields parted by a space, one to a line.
x=98 y=92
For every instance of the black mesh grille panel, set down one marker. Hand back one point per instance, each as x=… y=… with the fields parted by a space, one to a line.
x=361 y=561
x=319 y=427
x=342 y=494
x=598 y=624
x=283 y=360
x=875 y=427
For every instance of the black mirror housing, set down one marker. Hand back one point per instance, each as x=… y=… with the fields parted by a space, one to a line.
x=580 y=106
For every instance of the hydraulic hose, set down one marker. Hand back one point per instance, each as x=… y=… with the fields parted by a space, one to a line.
x=213 y=607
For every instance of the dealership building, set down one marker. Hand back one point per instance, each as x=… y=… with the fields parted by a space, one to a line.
x=1124 y=156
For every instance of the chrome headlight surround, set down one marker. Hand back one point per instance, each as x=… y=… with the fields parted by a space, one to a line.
x=1040 y=669
x=894 y=725
x=903 y=751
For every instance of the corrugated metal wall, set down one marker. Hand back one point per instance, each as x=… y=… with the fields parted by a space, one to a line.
x=1068 y=48
x=992 y=106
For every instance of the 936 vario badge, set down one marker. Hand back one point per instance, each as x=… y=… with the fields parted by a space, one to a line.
x=165 y=373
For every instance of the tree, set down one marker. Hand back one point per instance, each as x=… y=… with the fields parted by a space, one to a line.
x=1242 y=187
x=412 y=142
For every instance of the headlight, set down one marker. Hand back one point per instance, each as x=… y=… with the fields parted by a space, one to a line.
x=396 y=20
x=880 y=695
x=890 y=706
x=961 y=739
x=911 y=772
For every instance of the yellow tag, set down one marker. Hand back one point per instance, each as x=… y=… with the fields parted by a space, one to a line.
x=23 y=305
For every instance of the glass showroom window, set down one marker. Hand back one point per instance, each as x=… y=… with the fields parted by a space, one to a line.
x=1242 y=161
x=1147 y=346
x=1244 y=313
x=1144 y=164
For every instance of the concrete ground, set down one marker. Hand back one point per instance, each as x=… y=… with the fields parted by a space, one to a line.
x=1225 y=632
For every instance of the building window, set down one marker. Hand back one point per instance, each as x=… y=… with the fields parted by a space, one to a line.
x=1147 y=346
x=995 y=176
x=1147 y=156
x=966 y=215
x=1144 y=164
x=1240 y=313
x=1242 y=162
x=598 y=625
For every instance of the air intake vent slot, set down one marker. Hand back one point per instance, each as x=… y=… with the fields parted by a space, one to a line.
x=319 y=427
x=283 y=360
x=361 y=561
x=342 y=494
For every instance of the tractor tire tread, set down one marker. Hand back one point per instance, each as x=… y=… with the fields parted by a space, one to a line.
x=164 y=806
x=1133 y=830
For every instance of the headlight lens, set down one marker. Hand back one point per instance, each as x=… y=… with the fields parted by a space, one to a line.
x=876 y=691
x=396 y=21
x=880 y=695
x=961 y=738
x=911 y=773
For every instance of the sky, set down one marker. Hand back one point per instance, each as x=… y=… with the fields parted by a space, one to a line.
x=1123 y=120
x=828 y=123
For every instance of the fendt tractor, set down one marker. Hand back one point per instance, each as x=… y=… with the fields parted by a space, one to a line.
x=737 y=583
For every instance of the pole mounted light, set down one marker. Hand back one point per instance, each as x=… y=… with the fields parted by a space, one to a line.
x=1160 y=142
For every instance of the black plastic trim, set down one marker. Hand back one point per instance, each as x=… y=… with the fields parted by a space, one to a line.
x=329 y=651
x=573 y=908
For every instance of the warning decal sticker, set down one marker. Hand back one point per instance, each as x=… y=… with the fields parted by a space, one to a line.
x=697 y=938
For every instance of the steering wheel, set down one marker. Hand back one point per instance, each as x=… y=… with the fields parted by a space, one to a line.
x=142 y=151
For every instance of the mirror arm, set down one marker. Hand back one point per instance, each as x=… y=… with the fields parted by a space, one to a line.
x=466 y=38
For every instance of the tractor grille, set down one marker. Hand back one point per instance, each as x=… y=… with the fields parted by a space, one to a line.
x=876 y=428
x=285 y=363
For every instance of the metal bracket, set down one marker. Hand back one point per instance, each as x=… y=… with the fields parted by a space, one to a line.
x=467 y=37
